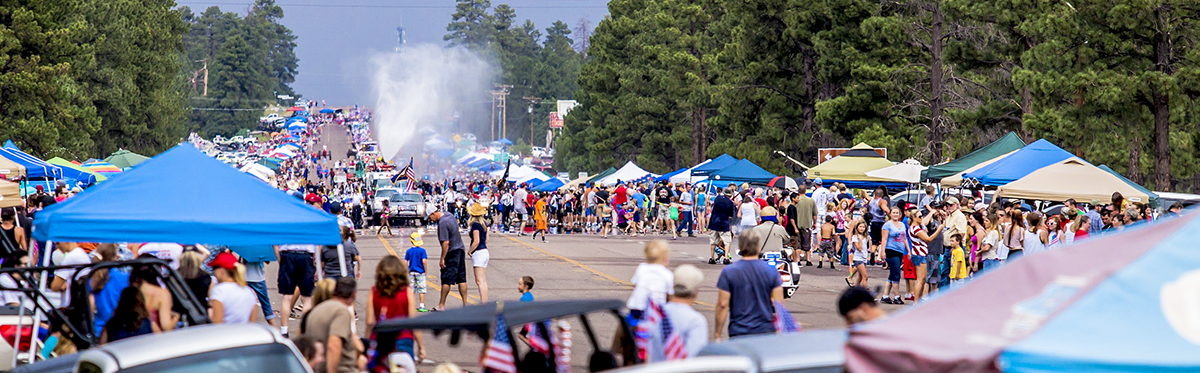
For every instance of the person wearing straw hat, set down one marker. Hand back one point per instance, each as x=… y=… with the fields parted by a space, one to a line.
x=478 y=251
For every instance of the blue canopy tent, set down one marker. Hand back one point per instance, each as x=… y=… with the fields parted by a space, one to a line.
x=742 y=171
x=327 y=111
x=297 y=119
x=550 y=185
x=480 y=162
x=1031 y=158
x=667 y=176
x=714 y=165
x=34 y=168
x=492 y=167
x=505 y=141
x=444 y=153
x=1139 y=187
x=162 y=200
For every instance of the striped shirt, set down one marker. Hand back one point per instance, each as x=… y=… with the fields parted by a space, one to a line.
x=919 y=247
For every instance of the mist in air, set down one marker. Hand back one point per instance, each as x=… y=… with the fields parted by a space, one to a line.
x=425 y=87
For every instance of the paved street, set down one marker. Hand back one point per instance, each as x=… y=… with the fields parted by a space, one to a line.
x=573 y=267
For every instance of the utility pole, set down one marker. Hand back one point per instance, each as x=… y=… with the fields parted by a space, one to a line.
x=501 y=93
x=532 y=101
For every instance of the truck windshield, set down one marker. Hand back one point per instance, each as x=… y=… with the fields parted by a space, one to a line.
x=259 y=358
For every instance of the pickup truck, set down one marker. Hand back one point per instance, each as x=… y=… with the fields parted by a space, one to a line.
x=402 y=206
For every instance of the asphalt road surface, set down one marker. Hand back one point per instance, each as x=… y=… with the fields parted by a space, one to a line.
x=577 y=266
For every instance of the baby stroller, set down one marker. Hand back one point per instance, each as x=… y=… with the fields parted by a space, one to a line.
x=789 y=272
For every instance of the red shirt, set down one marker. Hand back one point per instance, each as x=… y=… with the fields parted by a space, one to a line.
x=621 y=196
x=762 y=203
x=391 y=308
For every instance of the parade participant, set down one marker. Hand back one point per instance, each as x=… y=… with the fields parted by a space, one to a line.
x=480 y=255
x=719 y=223
x=747 y=291
x=385 y=220
x=232 y=301
x=525 y=287
x=297 y=270
x=416 y=257
x=452 y=263
x=896 y=248
x=540 y=217
x=857 y=306
x=330 y=321
x=392 y=298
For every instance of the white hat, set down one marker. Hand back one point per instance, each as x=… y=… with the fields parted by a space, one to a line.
x=687 y=280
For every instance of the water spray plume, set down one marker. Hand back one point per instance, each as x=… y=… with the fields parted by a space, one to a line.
x=421 y=87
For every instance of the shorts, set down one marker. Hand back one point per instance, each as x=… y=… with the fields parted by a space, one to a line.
x=623 y=225
x=417 y=282
x=723 y=238
x=296 y=270
x=264 y=300
x=876 y=232
x=805 y=238
x=857 y=263
x=480 y=258
x=664 y=211
x=606 y=220
x=910 y=271
x=920 y=260
x=637 y=217
x=589 y=211
x=456 y=270
x=826 y=248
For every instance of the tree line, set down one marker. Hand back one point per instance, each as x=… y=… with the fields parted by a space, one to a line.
x=669 y=83
x=82 y=78
x=539 y=68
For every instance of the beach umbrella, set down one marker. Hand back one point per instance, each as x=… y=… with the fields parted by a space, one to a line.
x=505 y=141
x=125 y=159
x=102 y=168
x=783 y=182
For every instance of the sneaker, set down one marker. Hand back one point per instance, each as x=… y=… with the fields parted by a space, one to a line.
x=886 y=300
x=422 y=309
x=832 y=267
x=296 y=313
x=807 y=263
x=819 y=264
x=712 y=261
x=898 y=301
x=908 y=297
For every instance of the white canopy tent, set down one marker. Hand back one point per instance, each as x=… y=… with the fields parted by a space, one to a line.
x=628 y=172
x=686 y=176
x=263 y=173
x=520 y=173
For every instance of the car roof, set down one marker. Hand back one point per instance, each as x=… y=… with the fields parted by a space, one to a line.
x=188 y=341
x=780 y=352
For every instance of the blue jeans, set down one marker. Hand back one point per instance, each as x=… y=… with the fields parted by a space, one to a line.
x=843 y=251
x=894 y=264
x=944 y=280
x=989 y=264
x=685 y=220
x=260 y=289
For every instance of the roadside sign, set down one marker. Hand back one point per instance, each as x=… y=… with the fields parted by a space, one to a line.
x=583 y=174
x=556 y=120
x=500 y=158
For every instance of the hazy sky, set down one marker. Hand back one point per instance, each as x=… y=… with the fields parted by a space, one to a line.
x=336 y=37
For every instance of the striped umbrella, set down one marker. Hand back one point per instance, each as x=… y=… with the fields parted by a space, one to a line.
x=103 y=168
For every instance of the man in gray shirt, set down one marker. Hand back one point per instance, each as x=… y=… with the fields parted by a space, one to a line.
x=452 y=263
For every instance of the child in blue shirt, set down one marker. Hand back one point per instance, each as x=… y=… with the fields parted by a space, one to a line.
x=525 y=286
x=416 y=256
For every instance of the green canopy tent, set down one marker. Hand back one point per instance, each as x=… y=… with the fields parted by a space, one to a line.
x=125 y=159
x=600 y=175
x=274 y=166
x=1007 y=144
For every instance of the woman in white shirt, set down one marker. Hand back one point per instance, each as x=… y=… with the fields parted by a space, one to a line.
x=231 y=300
x=748 y=212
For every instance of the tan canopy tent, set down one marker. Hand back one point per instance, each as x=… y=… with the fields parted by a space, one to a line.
x=10 y=194
x=575 y=183
x=11 y=169
x=851 y=166
x=1071 y=178
x=957 y=179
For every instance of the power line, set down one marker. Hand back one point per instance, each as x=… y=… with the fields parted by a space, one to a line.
x=399 y=6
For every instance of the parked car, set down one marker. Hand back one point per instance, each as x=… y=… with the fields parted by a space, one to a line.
x=818 y=351
x=206 y=348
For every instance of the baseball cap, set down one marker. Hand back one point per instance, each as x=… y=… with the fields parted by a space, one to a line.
x=224 y=260
x=335 y=207
x=39 y=188
x=951 y=201
x=416 y=240
x=312 y=198
x=687 y=280
x=909 y=206
x=818 y=181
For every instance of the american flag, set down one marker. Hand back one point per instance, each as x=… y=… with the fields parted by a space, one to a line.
x=641 y=334
x=499 y=354
x=784 y=322
x=537 y=337
x=673 y=347
x=407 y=173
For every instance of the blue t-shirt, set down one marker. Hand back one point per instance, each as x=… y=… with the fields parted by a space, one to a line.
x=106 y=298
x=641 y=199
x=415 y=257
x=749 y=283
x=897 y=239
x=527 y=297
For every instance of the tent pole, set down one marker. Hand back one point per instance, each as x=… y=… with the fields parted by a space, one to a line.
x=46 y=254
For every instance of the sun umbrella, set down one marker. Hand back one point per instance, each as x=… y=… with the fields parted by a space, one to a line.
x=783 y=182
x=102 y=168
x=327 y=111
x=125 y=159
x=908 y=171
x=295 y=108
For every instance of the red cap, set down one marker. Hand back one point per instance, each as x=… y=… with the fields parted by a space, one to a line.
x=312 y=198
x=224 y=260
